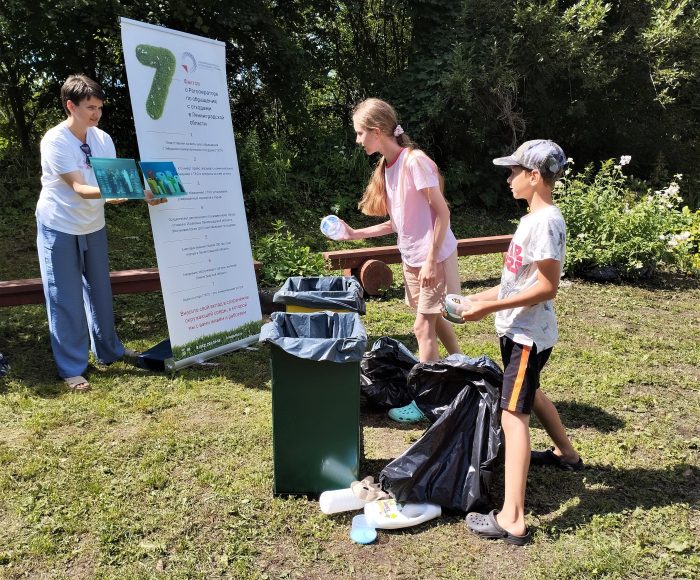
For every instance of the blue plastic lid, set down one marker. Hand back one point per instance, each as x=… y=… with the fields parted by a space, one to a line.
x=362 y=532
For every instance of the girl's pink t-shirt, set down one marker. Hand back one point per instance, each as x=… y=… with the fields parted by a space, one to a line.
x=412 y=218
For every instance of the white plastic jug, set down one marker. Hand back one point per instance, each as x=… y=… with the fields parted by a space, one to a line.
x=339 y=500
x=332 y=227
x=387 y=514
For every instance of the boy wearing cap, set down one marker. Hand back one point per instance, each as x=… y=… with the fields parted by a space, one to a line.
x=527 y=330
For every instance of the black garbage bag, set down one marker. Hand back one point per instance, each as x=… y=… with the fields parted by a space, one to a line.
x=434 y=385
x=320 y=336
x=384 y=371
x=452 y=463
x=322 y=293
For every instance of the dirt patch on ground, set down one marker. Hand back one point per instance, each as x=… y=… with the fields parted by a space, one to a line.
x=384 y=439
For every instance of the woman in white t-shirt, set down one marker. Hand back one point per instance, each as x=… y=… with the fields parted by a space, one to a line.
x=72 y=238
x=407 y=186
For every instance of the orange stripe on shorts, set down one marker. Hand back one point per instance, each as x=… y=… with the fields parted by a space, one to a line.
x=517 y=386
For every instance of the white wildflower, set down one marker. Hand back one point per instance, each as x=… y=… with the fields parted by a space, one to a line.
x=618 y=167
x=570 y=161
x=581 y=236
x=676 y=239
x=625 y=159
x=673 y=189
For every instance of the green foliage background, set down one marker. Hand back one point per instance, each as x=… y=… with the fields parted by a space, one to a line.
x=469 y=79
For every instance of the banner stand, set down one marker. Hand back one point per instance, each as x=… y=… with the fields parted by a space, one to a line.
x=182 y=114
x=159 y=358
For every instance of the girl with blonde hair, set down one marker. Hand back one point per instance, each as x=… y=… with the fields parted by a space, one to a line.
x=407 y=186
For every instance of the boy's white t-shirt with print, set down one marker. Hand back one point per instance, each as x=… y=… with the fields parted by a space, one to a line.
x=541 y=235
x=59 y=207
x=412 y=217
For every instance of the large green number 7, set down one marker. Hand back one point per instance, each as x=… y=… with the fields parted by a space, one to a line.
x=164 y=62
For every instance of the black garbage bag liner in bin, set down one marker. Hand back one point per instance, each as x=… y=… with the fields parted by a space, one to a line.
x=434 y=385
x=384 y=371
x=323 y=293
x=452 y=463
x=318 y=336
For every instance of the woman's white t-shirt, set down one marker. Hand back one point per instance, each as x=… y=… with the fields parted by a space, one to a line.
x=59 y=207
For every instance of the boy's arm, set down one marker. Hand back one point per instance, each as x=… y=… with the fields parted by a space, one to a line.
x=548 y=273
x=490 y=294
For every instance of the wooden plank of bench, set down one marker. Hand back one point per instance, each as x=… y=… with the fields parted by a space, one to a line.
x=355 y=258
x=18 y=292
x=31 y=291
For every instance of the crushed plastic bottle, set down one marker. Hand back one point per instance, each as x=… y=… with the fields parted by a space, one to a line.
x=333 y=228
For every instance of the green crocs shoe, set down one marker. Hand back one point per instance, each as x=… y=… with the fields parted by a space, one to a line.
x=408 y=414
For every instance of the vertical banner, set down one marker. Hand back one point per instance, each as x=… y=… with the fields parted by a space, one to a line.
x=179 y=95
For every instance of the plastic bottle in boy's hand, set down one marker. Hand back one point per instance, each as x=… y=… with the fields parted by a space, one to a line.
x=454 y=306
x=332 y=227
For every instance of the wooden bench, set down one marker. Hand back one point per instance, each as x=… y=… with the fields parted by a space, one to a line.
x=369 y=265
x=31 y=291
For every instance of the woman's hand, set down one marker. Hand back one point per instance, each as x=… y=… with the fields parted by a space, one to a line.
x=151 y=200
x=116 y=200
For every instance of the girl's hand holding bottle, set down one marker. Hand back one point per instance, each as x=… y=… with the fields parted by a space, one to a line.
x=335 y=228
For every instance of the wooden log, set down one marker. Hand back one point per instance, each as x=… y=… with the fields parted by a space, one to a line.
x=376 y=277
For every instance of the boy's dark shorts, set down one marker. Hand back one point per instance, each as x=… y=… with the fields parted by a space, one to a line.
x=521 y=375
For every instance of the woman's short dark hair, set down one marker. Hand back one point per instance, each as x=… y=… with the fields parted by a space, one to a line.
x=77 y=88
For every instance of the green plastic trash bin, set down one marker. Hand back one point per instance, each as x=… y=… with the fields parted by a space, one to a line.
x=315 y=367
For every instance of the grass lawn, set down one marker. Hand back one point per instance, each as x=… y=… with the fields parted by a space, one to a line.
x=150 y=475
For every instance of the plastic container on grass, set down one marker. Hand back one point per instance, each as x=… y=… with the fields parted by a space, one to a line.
x=362 y=531
x=387 y=514
x=340 y=500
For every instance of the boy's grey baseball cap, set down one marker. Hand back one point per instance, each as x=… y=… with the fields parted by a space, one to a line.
x=541 y=154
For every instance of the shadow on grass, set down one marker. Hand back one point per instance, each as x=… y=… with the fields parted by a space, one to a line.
x=600 y=490
x=663 y=281
x=606 y=490
x=468 y=286
x=576 y=415
x=395 y=292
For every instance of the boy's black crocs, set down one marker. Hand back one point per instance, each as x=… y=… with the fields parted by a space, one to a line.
x=486 y=526
x=549 y=458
